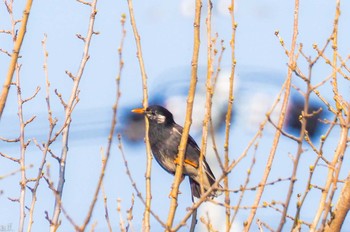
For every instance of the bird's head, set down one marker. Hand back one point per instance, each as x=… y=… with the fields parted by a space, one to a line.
x=156 y=114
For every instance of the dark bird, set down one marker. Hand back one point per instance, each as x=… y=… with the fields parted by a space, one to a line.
x=164 y=137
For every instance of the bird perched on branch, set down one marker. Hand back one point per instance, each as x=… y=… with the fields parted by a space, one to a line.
x=164 y=137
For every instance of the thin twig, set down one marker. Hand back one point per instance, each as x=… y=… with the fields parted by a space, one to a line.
x=287 y=87
x=130 y=214
x=15 y=54
x=68 y=111
x=10 y=157
x=57 y=197
x=133 y=183
x=204 y=196
x=105 y=204
x=14 y=172
x=22 y=160
x=188 y=119
x=334 y=169
x=121 y=220
x=244 y=187
x=9 y=140
x=146 y=216
x=108 y=150
x=228 y=117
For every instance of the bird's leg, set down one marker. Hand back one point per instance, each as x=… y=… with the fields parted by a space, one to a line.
x=186 y=161
x=170 y=194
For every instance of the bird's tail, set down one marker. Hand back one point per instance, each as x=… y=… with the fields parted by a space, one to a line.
x=208 y=181
x=195 y=188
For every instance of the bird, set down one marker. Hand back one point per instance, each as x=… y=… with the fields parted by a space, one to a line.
x=174 y=94
x=164 y=138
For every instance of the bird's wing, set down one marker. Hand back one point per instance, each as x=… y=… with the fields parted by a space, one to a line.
x=208 y=171
x=192 y=150
x=192 y=159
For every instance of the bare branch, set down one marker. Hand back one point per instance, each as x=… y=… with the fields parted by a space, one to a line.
x=133 y=183
x=188 y=119
x=68 y=110
x=33 y=96
x=146 y=217
x=15 y=54
x=9 y=157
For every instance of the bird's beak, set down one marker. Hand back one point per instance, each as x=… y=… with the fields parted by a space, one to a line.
x=138 y=111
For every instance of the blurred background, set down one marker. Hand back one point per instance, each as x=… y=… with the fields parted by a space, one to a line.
x=166 y=30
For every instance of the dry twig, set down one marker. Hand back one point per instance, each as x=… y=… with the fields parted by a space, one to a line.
x=73 y=100
x=188 y=119
x=146 y=217
x=15 y=54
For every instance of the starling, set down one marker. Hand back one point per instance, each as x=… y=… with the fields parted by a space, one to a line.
x=164 y=137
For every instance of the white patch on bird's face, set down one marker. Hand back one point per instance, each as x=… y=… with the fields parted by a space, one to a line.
x=160 y=118
x=156 y=117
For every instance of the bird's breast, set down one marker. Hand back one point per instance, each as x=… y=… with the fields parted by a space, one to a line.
x=164 y=147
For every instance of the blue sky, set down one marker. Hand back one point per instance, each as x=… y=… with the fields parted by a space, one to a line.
x=167 y=37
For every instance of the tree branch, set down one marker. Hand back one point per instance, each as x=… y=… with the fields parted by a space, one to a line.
x=188 y=119
x=146 y=216
x=68 y=111
x=15 y=55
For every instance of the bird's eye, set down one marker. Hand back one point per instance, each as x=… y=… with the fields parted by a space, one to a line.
x=151 y=114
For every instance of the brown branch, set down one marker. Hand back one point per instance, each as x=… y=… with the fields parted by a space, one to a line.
x=261 y=224
x=130 y=213
x=6 y=32
x=209 y=95
x=45 y=149
x=303 y=135
x=133 y=183
x=292 y=137
x=208 y=106
x=58 y=198
x=22 y=160
x=244 y=187
x=332 y=177
x=64 y=104
x=233 y=164
x=254 y=188
x=70 y=75
x=84 y=2
x=341 y=209
x=208 y=224
x=212 y=129
x=109 y=145
x=121 y=220
x=9 y=157
x=146 y=217
x=319 y=153
x=14 y=56
x=336 y=164
x=335 y=54
x=14 y=172
x=272 y=206
x=291 y=63
x=33 y=96
x=228 y=117
x=188 y=119
x=105 y=205
x=68 y=111
x=9 y=140
x=5 y=52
